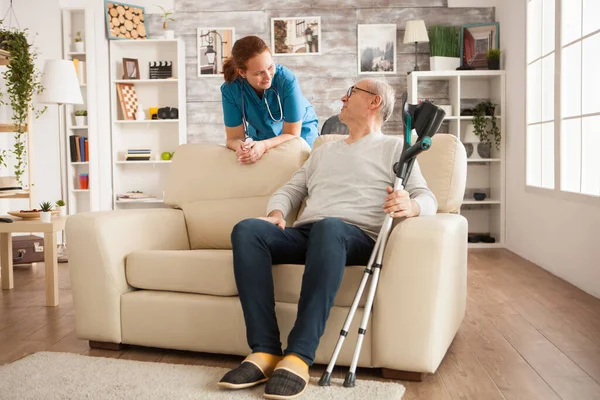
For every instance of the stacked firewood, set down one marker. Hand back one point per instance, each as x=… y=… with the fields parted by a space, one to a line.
x=126 y=22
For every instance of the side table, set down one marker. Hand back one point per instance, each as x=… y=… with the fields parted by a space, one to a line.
x=50 y=251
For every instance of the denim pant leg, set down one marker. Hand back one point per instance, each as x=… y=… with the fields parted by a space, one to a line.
x=256 y=244
x=332 y=245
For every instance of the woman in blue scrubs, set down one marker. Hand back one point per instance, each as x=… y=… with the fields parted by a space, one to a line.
x=267 y=96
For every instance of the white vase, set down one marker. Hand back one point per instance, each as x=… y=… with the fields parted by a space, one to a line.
x=169 y=34
x=444 y=63
x=139 y=114
x=80 y=120
x=79 y=47
x=63 y=210
x=470 y=136
x=45 y=216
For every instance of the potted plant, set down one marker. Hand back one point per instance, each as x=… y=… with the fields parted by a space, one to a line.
x=62 y=207
x=79 y=46
x=22 y=80
x=81 y=118
x=485 y=126
x=169 y=34
x=46 y=211
x=444 y=48
x=493 y=58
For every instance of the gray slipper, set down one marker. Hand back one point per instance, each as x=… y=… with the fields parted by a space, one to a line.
x=251 y=372
x=286 y=382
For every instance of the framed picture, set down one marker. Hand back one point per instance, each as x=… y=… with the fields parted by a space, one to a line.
x=296 y=36
x=125 y=21
x=475 y=41
x=214 y=47
x=377 y=49
x=131 y=68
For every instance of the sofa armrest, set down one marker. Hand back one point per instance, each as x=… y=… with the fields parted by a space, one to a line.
x=422 y=293
x=99 y=243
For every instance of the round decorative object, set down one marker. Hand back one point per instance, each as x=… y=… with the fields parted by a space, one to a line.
x=479 y=196
x=484 y=150
x=468 y=148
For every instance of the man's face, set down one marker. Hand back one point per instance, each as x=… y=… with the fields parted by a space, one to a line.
x=356 y=102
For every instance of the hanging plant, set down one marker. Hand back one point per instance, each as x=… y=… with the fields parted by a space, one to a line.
x=480 y=123
x=22 y=82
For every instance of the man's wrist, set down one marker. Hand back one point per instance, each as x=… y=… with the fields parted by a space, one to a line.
x=276 y=214
x=415 y=208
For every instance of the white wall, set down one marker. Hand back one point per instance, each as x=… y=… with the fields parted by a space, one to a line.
x=559 y=235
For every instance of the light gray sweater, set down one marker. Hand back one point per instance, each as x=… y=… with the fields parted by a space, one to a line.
x=349 y=181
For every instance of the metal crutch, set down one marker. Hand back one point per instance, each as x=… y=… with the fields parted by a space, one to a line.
x=428 y=119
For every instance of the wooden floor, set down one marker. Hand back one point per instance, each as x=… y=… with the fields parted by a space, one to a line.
x=526 y=335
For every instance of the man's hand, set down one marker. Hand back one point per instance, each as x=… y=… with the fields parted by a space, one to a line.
x=254 y=151
x=399 y=204
x=276 y=218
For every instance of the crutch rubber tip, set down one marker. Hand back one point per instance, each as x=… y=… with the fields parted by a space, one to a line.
x=350 y=379
x=325 y=378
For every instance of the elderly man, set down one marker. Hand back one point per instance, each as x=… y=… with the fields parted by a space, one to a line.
x=349 y=188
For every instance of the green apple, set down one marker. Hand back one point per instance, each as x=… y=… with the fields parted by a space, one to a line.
x=166 y=155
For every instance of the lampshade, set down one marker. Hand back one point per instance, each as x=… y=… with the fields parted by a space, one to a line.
x=60 y=83
x=415 y=32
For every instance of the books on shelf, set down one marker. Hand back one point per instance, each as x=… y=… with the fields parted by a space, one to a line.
x=80 y=70
x=79 y=147
x=135 y=195
x=138 y=155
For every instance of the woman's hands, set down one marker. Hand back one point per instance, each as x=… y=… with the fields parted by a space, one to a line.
x=249 y=151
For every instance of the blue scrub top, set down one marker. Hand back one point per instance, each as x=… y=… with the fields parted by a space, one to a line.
x=260 y=125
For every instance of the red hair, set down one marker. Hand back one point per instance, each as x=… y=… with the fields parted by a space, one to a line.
x=243 y=50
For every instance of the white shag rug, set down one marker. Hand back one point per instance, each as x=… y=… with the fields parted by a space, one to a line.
x=47 y=375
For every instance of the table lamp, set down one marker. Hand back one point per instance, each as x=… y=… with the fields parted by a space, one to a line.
x=415 y=33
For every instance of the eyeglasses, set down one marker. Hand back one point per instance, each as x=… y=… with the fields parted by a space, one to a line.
x=353 y=88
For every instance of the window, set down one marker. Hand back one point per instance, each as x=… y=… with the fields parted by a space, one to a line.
x=577 y=124
x=300 y=28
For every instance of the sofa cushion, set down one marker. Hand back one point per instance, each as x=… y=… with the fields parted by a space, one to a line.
x=236 y=191
x=443 y=166
x=211 y=272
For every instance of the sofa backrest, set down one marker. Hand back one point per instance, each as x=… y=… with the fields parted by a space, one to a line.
x=215 y=191
x=444 y=167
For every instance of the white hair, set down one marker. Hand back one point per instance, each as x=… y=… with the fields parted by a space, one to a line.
x=388 y=97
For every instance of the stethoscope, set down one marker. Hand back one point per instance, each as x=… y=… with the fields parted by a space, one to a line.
x=245 y=122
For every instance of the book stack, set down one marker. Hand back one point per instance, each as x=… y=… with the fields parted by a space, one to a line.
x=138 y=155
x=79 y=148
x=134 y=196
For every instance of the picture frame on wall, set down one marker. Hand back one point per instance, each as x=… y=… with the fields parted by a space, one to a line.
x=214 y=47
x=296 y=36
x=125 y=21
x=376 y=51
x=475 y=41
x=131 y=68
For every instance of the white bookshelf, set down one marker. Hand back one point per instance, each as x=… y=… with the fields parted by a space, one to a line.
x=81 y=19
x=484 y=174
x=157 y=135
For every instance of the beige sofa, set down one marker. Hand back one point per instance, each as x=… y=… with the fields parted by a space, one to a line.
x=164 y=277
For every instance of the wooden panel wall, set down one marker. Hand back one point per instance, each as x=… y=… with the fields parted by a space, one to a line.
x=323 y=78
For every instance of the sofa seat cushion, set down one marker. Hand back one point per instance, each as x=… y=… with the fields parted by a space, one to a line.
x=211 y=272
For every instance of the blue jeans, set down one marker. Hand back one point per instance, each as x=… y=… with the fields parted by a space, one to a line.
x=324 y=247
